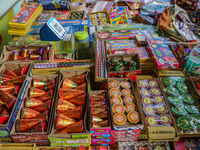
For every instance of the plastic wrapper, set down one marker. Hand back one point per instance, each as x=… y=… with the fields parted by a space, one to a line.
x=123 y=108
x=183 y=103
x=154 y=107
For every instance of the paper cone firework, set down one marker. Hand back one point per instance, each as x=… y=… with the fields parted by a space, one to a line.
x=69 y=84
x=35 y=92
x=100 y=124
x=32 y=102
x=64 y=105
x=24 y=125
x=8 y=99
x=40 y=127
x=8 y=73
x=10 y=89
x=81 y=87
x=79 y=79
x=43 y=107
x=62 y=121
x=69 y=93
x=28 y=113
x=74 y=113
x=47 y=96
x=46 y=86
x=79 y=100
x=102 y=115
x=3 y=79
x=96 y=111
x=4 y=116
x=44 y=116
x=74 y=128
x=21 y=71
x=15 y=81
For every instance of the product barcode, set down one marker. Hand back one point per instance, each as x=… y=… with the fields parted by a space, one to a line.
x=57 y=27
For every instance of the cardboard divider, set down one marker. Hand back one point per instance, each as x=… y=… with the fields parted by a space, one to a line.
x=65 y=139
x=101 y=131
x=39 y=138
x=125 y=69
x=6 y=128
x=157 y=133
x=193 y=86
x=17 y=146
x=127 y=125
x=8 y=49
x=176 y=73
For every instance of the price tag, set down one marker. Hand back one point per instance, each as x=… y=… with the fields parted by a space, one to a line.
x=56 y=27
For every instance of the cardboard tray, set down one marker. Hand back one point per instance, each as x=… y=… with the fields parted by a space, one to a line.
x=155 y=133
x=6 y=128
x=39 y=138
x=16 y=146
x=7 y=51
x=74 y=138
x=127 y=125
x=124 y=69
x=194 y=88
x=179 y=72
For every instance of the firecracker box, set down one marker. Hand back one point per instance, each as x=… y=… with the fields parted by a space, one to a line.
x=6 y=128
x=101 y=135
x=7 y=53
x=17 y=146
x=39 y=138
x=73 y=139
x=161 y=54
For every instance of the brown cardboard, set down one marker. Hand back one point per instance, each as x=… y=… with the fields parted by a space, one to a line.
x=40 y=138
x=49 y=148
x=193 y=86
x=8 y=49
x=69 y=74
x=6 y=128
x=130 y=57
x=127 y=125
x=16 y=146
x=150 y=129
x=165 y=73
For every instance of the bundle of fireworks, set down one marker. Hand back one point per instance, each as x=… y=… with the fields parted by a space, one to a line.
x=12 y=80
x=70 y=113
x=27 y=53
x=33 y=120
x=22 y=22
x=100 y=118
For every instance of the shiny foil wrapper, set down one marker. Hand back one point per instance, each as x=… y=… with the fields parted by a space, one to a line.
x=4 y=116
x=79 y=79
x=96 y=111
x=24 y=125
x=69 y=84
x=74 y=128
x=98 y=104
x=44 y=107
x=96 y=119
x=25 y=54
x=21 y=71
x=35 y=92
x=69 y=93
x=47 y=96
x=15 y=81
x=82 y=87
x=10 y=89
x=32 y=102
x=35 y=57
x=7 y=98
x=75 y=113
x=102 y=115
x=28 y=113
x=100 y=124
x=8 y=73
x=63 y=121
x=64 y=105
x=3 y=79
x=46 y=86
x=44 y=116
x=40 y=127
x=79 y=100
x=97 y=98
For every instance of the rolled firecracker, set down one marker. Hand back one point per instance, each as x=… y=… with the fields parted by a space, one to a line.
x=69 y=84
x=28 y=113
x=35 y=57
x=79 y=79
x=82 y=87
x=25 y=54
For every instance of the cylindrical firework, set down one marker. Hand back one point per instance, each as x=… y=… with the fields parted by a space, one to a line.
x=63 y=121
x=32 y=102
x=79 y=79
x=28 y=113
x=15 y=56
x=96 y=111
x=100 y=124
x=102 y=115
x=97 y=104
x=39 y=51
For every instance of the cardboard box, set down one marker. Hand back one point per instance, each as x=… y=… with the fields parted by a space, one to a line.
x=178 y=73
x=7 y=51
x=101 y=135
x=16 y=146
x=49 y=148
x=124 y=69
x=78 y=139
x=194 y=88
x=6 y=128
x=156 y=133
x=127 y=126
x=39 y=138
